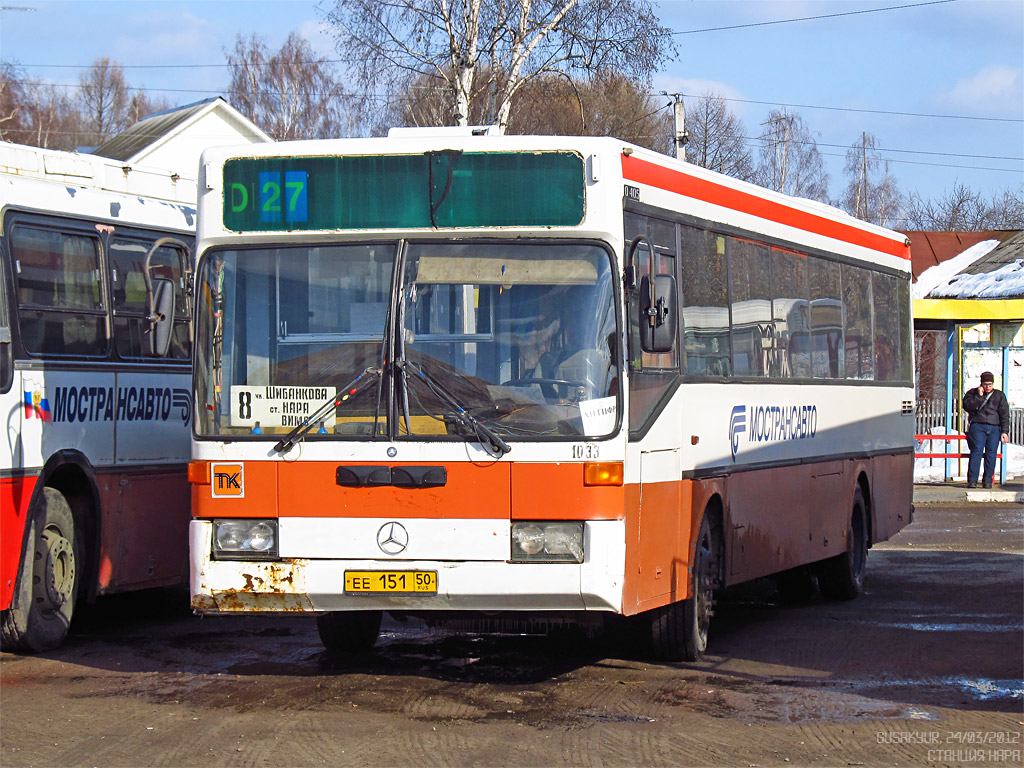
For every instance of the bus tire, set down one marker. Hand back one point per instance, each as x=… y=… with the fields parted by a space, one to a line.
x=40 y=614
x=679 y=631
x=349 y=631
x=842 y=577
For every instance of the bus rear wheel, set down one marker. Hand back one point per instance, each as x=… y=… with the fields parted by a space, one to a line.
x=679 y=631
x=349 y=631
x=40 y=614
x=842 y=577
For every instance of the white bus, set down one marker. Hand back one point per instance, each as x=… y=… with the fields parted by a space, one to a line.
x=95 y=361
x=444 y=375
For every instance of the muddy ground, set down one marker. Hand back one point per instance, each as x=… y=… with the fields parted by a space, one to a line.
x=925 y=669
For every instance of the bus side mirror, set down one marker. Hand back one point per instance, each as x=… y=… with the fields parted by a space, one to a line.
x=161 y=317
x=658 y=313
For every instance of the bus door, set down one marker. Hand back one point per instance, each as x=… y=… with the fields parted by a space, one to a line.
x=661 y=570
x=153 y=409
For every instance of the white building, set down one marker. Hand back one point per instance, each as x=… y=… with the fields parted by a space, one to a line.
x=175 y=138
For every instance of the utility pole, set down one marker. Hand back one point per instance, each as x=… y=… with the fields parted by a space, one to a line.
x=781 y=161
x=681 y=136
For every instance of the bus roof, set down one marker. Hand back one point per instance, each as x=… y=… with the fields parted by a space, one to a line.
x=92 y=171
x=658 y=180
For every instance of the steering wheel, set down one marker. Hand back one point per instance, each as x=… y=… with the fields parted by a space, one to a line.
x=550 y=387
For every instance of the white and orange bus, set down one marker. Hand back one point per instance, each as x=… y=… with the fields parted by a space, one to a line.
x=536 y=377
x=95 y=362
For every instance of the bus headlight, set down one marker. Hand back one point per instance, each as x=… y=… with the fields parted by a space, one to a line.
x=244 y=539
x=543 y=542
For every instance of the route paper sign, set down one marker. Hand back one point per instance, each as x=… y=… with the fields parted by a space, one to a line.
x=598 y=415
x=279 y=406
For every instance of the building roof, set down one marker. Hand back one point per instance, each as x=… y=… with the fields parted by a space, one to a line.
x=991 y=269
x=125 y=145
x=930 y=248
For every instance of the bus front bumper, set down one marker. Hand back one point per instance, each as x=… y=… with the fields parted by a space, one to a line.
x=317 y=585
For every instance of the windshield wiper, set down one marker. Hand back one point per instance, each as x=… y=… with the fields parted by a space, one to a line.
x=350 y=390
x=485 y=435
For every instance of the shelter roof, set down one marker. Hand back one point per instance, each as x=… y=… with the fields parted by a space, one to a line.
x=930 y=248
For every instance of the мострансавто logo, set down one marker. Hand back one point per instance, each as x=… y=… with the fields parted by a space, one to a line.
x=85 y=404
x=771 y=424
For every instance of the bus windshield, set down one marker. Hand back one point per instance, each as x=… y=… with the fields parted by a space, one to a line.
x=520 y=336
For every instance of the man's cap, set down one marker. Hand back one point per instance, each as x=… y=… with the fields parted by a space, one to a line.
x=987 y=377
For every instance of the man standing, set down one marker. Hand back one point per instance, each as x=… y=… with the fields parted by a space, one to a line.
x=989 y=414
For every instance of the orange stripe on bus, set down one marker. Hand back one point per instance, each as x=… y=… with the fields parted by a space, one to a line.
x=644 y=172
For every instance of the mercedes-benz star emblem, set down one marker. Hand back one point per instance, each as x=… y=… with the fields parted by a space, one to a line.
x=392 y=538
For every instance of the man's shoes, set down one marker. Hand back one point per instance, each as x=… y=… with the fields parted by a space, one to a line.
x=972 y=485
x=987 y=484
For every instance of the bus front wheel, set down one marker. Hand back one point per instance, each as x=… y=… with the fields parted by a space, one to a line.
x=842 y=577
x=349 y=631
x=40 y=614
x=679 y=631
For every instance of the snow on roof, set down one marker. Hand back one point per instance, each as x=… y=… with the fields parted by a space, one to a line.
x=1003 y=283
x=941 y=275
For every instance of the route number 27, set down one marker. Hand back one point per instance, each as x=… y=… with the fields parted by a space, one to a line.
x=283 y=199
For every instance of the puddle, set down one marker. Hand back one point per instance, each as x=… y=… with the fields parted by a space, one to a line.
x=985 y=690
x=981 y=689
x=962 y=623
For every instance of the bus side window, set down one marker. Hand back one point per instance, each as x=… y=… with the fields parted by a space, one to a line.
x=705 y=304
x=753 y=332
x=791 y=314
x=859 y=342
x=131 y=328
x=60 y=297
x=888 y=334
x=826 y=317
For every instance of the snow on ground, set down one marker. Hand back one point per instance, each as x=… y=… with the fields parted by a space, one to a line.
x=941 y=274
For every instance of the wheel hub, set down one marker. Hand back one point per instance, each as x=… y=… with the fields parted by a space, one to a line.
x=59 y=568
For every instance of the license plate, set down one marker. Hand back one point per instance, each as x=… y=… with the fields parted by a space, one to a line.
x=392 y=582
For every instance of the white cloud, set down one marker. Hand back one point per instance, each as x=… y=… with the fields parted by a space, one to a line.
x=319 y=36
x=996 y=90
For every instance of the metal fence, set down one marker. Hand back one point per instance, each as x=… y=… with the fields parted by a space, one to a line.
x=931 y=419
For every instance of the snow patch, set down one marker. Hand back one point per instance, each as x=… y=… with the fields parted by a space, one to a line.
x=941 y=274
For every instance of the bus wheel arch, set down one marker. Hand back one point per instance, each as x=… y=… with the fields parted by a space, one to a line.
x=57 y=562
x=680 y=630
x=43 y=606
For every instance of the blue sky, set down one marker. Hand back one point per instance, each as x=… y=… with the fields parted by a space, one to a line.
x=962 y=58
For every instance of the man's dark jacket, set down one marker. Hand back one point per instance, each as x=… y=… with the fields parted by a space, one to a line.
x=995 y=411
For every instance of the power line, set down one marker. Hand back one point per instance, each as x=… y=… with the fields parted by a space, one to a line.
x=889 y=149
x=866 y=111
x=673 y=33
x=687 y=95
x=811 y=18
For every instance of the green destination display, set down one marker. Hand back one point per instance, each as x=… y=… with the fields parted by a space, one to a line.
x=434 y=189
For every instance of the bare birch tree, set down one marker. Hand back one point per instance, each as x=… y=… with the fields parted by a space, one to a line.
x=717 y=138
x=291 y=93
x=789 y=158
x=104 y=99
x=871 y=193
x=484 y=51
